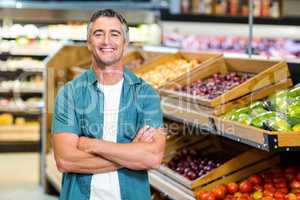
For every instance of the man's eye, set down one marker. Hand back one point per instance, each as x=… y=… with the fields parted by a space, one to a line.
x=115 y=34
x=98 y=34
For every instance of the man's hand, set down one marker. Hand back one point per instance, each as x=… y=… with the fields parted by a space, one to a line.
x=86 y=144
x=145 y=134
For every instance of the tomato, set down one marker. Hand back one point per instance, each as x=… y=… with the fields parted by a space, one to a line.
x=246 y=187
x=255 y=179
x=232 y=188
x=219 y=192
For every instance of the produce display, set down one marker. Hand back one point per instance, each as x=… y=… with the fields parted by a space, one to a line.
x=282 y=183
x=24 y=46
x=8 y=119
x=29 y=82
x=163 y=73
x=283 y=48
x=191 y=164
x=279 y=112
x=18 y=103
x=26 y=63
x=215 y=85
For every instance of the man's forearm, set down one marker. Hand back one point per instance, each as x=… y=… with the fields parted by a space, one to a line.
x=132 y=155
x=91 y=165
x=72 y=159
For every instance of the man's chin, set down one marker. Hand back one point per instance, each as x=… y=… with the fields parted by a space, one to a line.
x=108 y=63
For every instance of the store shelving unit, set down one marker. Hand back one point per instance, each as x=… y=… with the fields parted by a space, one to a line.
x=284 y=20
x=16 y=136
x=173 y=112
x=202 y=121
x=184 y=113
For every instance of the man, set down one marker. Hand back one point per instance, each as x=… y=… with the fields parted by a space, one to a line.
x=107 y=123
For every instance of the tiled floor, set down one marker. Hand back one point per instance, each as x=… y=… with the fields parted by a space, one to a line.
x=19 y=177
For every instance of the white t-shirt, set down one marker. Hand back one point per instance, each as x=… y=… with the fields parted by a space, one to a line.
x=105 y=186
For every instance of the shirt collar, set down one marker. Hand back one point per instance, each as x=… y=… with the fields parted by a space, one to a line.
x=129 y=77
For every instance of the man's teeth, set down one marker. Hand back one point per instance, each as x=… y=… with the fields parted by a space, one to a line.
x=107 y=49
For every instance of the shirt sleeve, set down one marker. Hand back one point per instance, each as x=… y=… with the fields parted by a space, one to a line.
x=151 y=109
x=64 y=116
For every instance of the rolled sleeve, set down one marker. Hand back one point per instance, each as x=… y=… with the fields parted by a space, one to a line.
x=151 y=109
x=64 y=116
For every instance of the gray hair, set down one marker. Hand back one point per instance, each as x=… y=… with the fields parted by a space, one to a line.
x=108 y=13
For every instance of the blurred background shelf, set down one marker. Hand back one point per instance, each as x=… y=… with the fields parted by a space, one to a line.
x=19 y=133
x=285 y=20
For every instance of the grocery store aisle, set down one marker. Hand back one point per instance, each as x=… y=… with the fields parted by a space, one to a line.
x=19 y=173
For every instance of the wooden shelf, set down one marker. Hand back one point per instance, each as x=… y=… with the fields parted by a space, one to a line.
x=31 y=111
x=202 y=118
x=19 y=133
x=21 y=91
x=4 y=69
x=168 y=186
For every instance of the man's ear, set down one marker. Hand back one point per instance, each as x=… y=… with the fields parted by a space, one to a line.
x=126 y=45
x=88 y=43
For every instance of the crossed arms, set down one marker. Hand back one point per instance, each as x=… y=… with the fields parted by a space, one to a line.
x=86 y=155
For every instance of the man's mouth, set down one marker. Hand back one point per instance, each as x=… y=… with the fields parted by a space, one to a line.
x=107 y=49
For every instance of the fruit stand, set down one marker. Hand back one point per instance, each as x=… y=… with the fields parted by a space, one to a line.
x=207 y=96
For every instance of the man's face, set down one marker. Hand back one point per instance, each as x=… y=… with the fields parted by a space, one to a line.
x=107 y=41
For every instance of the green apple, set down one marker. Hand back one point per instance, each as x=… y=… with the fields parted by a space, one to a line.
x=257 y=104
x=294 y=110
x=259 y=120
x=279 y=124
x=244 y=118
x=258 y=110
x=293 y=93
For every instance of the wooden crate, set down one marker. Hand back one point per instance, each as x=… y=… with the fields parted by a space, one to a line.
x=241 y=174
x=238 y=160
x=202 y=58
x=254 y=96
x=274 y=140
x=265 y=73
x=133 y=56
x=257 y=135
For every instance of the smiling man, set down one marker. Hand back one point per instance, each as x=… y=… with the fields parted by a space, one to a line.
x=107 y=123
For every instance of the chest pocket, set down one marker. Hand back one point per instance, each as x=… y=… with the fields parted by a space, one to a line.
x=91 y=125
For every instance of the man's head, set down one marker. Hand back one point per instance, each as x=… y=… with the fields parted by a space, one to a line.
x=107 y=37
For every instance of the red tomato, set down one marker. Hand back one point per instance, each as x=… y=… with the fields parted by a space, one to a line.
x=255 y=179
x=232 y=188
x=246 y=187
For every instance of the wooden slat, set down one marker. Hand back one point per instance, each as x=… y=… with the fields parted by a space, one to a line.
x=236 y=163
x=244 y=173
x=17 y=133
x=240 y=130
x=290 y=139
x=19 y=128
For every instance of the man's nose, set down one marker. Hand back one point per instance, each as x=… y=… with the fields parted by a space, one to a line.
x=106 y=39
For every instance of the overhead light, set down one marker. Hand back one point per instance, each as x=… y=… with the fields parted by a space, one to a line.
x=19 y=5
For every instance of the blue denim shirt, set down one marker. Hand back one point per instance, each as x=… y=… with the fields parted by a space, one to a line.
x=79 y=110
